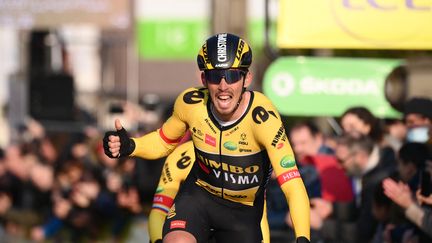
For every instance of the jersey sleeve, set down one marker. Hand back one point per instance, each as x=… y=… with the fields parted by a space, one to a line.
x=271 y=134
x=161 y=142
x=175 y=170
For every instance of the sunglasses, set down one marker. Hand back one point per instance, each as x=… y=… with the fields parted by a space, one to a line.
x=231 y=75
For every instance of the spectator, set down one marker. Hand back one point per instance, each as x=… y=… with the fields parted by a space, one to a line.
x=412 y=159
x=310 y=149
x=418 y=112
x=335 y=187
x=395 y=132
x=358 y=121
x=418 y=119
x=368 y=164
x=401 y=194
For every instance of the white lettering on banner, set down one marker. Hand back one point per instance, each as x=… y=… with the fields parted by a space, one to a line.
x=338 y=86
x=284 y=85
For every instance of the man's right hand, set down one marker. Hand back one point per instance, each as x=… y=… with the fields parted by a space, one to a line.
x=117 y=143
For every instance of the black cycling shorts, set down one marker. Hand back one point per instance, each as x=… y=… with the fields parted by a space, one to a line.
x=206 y=216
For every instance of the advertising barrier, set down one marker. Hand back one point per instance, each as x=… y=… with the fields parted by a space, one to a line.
x=307 y=86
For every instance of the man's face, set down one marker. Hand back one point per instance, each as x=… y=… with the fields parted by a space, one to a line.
x=226 y=94
x=304 y=143
x=349 y=160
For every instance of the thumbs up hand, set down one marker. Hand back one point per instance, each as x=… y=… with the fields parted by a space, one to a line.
x=117 y=143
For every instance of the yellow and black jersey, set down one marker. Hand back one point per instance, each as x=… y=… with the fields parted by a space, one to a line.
x=175 y=170
x=233 y=162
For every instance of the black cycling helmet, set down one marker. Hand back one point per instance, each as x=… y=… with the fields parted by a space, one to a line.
x=224 y=51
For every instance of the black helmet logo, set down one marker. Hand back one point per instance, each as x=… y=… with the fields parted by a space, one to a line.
x=222 y=48
x=223 y=51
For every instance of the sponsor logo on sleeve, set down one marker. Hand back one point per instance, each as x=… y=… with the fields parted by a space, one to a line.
x=178 y=224
x=287 y=176
x=280 y=136
x=193 y=97
x=184 y=161
x=260 y=115
x=288 y=161
x=159 y=189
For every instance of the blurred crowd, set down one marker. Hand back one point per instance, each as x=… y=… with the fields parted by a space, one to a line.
x=364 y=184
x=369 y=184
x=59 y=186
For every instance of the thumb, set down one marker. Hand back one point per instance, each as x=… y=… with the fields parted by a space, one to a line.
x=118 y=125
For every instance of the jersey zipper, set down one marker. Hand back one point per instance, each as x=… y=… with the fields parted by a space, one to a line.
x=220 y=161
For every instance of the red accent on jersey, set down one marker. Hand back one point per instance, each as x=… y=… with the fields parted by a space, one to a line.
x=203 y=167
x=168 y=140
x=287 y=176
x=162 y=199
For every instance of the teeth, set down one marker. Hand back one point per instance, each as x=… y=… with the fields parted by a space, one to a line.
x=224 y=97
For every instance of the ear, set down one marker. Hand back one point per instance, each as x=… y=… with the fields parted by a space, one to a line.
x=248 y=79
x=203 y=80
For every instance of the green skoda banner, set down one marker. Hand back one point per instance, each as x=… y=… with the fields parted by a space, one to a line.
x=315 y=86
x=171 y=39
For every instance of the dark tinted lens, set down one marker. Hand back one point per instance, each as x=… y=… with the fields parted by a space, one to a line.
x=230 y=75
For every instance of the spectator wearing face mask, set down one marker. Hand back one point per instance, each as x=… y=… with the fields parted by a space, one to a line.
x=418 y=119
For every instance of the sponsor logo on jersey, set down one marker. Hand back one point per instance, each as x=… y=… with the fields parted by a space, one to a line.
x=245 y=150
x=230 y=173
x=213 y=190
x=232 y=131
x=193 y=97
x=210 y=125
x=234 y=196
x=184 y=161
x=159 y=189
x=244 y=142
x=178 y=224
x=197 y=131
x=197 y=134
x=260 y=115
x=210 y=140
x=280 y=135
x=171 y=212
x=279 y=145
x=166 y=174
x=230 y=145
x=287 y=176
x=287 y=161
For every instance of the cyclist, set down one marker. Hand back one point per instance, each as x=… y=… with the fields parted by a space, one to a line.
x=175 y=170
x=238 y=139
